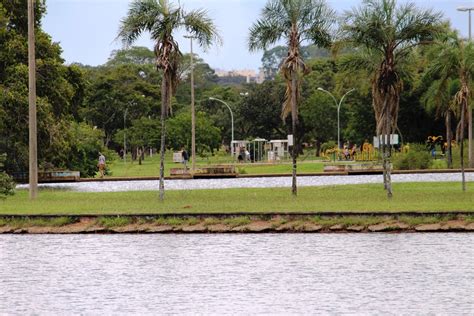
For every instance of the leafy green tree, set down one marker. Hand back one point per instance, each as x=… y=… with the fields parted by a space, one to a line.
x=143 y=133
x=83 y=148
x=218 y=113
x=386 y=34
x=453 y=61
x=258 y=113
x=137 y=55
x=296 y=21
x=207 y=135
x=59 y=90
x=161 y=19
x=118 y=93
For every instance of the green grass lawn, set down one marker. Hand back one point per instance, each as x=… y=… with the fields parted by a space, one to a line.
x=371 y=198
x=150 y=166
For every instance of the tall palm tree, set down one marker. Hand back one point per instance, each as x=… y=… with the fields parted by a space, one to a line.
x=385 y=35
x=440 y=98
x=161 y=19
x=454 y=61
x=295 y=21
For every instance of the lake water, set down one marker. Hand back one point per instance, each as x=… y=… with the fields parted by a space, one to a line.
x=237 y=274
x=272 y=182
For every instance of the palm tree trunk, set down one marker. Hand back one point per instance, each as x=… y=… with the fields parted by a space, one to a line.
x=462 y=145
x=449 y=137
x=388 y=152
x=294 y=117
x=164 y=110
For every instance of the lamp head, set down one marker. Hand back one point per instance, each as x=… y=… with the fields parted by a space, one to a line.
x=464 y=9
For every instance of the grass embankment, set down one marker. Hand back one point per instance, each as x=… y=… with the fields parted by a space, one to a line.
x=426 y=197
x=236 y=224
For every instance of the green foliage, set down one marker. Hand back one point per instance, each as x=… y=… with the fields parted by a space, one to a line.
x=85 y=145
x=60 y=91
x=137 y=55
x=418 y=157
x=110 y=222
x=207 y=136
x=36 y=222
x=328 y=145
x=237 y=221
x=7 y=186
x=118 y=95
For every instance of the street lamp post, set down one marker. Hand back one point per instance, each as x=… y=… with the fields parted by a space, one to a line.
x=338 y=106
x=470 y=149
x=193 y=115
x=33 y=144
x=232 y=121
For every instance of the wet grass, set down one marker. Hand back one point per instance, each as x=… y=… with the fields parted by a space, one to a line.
x=420 y=220
x=426 y=197
x=347 y=221
x=237 y=221
x=36 y=222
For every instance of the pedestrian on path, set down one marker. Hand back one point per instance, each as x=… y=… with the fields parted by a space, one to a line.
x=101 y=165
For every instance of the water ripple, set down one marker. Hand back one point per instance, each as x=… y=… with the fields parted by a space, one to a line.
x=238 y=274
x=273 y=182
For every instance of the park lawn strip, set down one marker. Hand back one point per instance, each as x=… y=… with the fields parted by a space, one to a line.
x=150 y=167
x=280 y=168
x=426 y=197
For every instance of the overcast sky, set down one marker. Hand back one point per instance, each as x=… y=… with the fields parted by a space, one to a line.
x=87 y=29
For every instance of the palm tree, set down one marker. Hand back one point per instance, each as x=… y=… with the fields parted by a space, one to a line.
x=440 y=98
x=454 y=62
x=295 y=21
x=161 y=20
x=385 y=35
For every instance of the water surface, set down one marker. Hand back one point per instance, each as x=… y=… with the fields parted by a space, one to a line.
x=238 y=274
x=272 y=182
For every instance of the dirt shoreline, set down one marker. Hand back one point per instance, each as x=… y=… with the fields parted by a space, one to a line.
x=234 y=224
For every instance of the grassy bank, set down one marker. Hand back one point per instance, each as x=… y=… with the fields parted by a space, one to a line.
x=236 y=224
x=429 y=197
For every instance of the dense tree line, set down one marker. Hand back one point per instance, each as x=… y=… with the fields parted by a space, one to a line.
x=83 y=110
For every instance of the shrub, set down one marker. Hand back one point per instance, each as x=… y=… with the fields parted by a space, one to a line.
x=328 y=145
x=417 y=158
x=7 y=186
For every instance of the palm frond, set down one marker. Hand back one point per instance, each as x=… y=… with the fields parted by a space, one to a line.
x=140 y=18
x=316 y=22
x=200 y=25
x=364 y=61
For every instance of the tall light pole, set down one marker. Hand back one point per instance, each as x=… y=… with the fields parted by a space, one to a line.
x=193 y=115
x=467 y=9
x=470 y=149
x=338 y=106
x=232 y=122
x=33 y=146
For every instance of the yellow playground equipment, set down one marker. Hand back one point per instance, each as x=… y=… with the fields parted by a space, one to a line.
x=366 y=152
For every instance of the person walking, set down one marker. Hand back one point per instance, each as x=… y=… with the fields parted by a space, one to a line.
x=101 y=165
x=185 y=156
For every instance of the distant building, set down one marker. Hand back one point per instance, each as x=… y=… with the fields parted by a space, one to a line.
x=250 y=75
